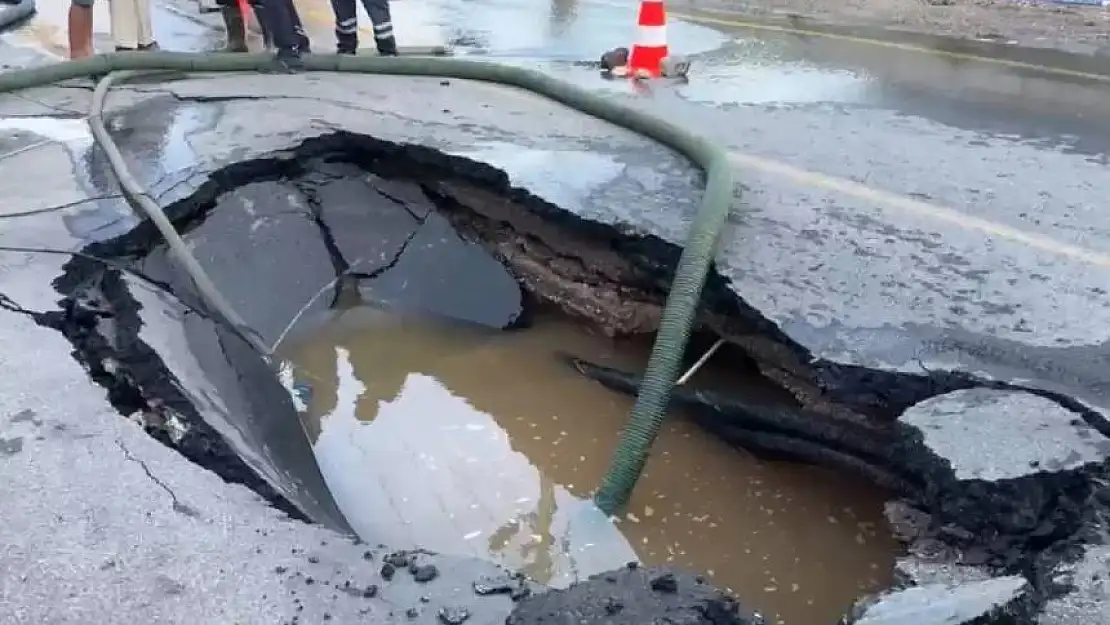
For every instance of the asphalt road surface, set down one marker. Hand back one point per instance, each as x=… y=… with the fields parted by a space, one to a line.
x=901 y=209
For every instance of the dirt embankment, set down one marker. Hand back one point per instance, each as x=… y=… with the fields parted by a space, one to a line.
x=1079 y=29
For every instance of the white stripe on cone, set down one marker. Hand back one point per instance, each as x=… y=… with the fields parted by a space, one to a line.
x=653 y=36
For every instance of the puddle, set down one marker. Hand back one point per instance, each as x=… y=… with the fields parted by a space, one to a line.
x=543 y=172
x=744 y=82
x=472 y=441
x=61 y=129
x=154 y=139
x=561 y=29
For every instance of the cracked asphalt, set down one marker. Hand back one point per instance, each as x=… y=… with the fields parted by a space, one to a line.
x=898 y=210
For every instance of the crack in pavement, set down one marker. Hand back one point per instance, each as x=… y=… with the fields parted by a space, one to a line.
x=11 y=305
x=7 y=303
x=177 y=506
x=58 y=207
x=212 y=99
x=343 y=104
x=69 y=112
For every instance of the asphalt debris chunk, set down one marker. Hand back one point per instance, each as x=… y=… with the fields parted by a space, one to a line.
x=399 y=559
x=665 y=583
x=453 y=616
x=387 y=572
x=516 y=586
x=613 y=605
x=424 y=573
x=494 y=585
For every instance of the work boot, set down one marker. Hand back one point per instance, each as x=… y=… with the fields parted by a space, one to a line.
x=236 y=29
x=304 y=44
x=143 y=47
x=387 y=46
x=346 y=43
x=287 y=61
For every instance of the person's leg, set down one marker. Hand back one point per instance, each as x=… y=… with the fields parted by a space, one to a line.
x=346 y=26
x=256 y=23
x=303 y=42
x=80 y=27
x=146 y=27
x=378 y=10
x=234 y=26
x=281 y=19
x=124 y=17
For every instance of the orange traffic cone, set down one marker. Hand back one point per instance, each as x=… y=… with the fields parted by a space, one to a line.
x=245 y=11
x=651 y=48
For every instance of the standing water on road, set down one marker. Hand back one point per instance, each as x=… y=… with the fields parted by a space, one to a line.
x=466 y=440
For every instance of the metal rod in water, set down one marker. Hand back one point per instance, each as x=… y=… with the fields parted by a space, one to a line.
x=700 y=363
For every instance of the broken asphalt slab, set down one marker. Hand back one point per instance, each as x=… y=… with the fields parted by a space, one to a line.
x=175 y=135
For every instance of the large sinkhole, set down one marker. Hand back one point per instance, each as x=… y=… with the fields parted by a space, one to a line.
x=423 y=310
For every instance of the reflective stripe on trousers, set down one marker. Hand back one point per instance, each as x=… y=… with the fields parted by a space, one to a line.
x=283 y=23
x=346 y=17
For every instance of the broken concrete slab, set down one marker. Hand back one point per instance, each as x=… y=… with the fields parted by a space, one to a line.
x=1008 y=473
x=1015 y=491
x=994 y=435
x=1080 y=591
x=995 y=601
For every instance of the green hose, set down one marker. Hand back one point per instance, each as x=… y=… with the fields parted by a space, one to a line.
x=675 y=326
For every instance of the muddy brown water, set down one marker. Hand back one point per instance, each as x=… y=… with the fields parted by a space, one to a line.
x=465 y=440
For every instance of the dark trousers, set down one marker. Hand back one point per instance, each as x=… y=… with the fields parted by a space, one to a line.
x=280 y=22
x=346 y=25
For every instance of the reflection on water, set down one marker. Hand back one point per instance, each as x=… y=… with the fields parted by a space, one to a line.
x=467 y=441
x=563 y=13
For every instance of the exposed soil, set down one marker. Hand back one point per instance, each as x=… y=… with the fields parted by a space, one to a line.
x=1079 y=29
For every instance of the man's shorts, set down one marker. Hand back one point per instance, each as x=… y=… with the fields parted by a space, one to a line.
x=83 y=3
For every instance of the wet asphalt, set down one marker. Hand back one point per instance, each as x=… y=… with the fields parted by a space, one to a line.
x=899 y=209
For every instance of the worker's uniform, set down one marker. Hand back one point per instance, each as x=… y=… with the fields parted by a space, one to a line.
x=346 y=26
x=131 y=27
x=278 y=20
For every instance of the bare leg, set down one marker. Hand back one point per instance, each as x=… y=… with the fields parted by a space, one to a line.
x=80 y=28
